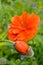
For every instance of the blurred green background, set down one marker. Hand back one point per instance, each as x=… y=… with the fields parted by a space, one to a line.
x=9 y=8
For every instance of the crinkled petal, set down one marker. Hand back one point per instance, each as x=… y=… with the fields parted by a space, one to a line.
x=17 y=22
x=21 y=36
x=11 y=37
x=14 y=30
x=34 y=20
x=30 y=20
x=29 y=34
x=25 y=17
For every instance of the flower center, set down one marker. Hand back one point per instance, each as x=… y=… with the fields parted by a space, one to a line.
x=24 y=25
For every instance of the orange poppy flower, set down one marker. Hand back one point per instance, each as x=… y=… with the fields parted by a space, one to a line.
x=23 y=27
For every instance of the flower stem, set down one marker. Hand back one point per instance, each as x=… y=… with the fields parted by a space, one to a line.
x=6 y=43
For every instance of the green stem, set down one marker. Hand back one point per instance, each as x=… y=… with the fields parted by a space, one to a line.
x=6 y=43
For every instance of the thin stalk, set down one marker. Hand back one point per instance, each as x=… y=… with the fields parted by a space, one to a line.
x=6 y=43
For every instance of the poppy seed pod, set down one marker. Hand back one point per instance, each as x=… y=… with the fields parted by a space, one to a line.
x=21 y=47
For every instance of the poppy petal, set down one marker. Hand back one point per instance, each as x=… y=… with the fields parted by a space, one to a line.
x=21 y=36
x=14 y=30
x=34 y=20
x=17 y=22
x=25 y=17
x=29 y=34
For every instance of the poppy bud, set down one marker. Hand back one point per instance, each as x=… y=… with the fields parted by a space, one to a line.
x=21 y=47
